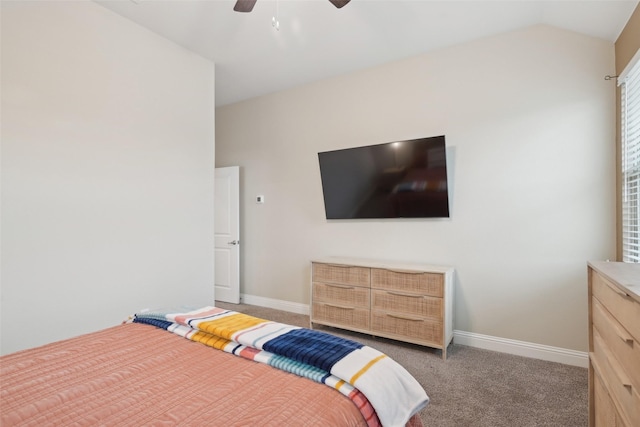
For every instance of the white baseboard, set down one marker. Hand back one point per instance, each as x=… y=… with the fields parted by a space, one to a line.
x=486 y=342
x=277 y=304
x=522 y=348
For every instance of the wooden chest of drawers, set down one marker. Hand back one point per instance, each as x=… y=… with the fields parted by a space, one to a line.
x=614 y=344
x=406 y=302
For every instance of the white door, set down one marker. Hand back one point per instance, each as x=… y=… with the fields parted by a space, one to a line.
x=227 y=234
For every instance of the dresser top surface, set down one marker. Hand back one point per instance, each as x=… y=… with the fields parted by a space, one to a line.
x=627 y=275
x=393 y=265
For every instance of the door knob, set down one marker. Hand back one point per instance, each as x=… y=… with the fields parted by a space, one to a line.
x=233 y=242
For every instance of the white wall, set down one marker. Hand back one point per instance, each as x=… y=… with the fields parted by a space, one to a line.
x=529 y=122
x=108 y=138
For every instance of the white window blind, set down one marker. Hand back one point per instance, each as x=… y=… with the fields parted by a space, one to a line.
x=630 y=117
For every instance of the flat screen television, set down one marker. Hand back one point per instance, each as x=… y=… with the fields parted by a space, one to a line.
x=402 y=179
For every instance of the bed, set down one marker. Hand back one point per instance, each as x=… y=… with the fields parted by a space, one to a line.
x=145 y=373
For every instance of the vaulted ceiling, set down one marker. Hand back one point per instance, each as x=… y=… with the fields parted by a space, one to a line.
x=315 y=40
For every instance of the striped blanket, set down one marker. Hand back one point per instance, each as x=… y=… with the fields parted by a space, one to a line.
x=384 y=391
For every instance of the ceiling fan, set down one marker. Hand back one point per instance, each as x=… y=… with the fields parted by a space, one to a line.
x=247 y=5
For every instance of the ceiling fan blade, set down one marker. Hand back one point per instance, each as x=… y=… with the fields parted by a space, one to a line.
x=339 y=3
x=244 y=5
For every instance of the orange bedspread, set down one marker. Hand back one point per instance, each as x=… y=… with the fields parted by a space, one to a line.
x=134 y=375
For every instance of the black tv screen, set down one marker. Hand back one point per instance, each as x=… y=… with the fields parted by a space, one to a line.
x=403 y=179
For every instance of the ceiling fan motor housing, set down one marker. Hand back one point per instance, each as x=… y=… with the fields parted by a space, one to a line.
x=247 y=5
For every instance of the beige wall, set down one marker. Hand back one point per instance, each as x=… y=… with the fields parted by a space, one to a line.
x=626 y=47
x=107 y=172
x=529 y=122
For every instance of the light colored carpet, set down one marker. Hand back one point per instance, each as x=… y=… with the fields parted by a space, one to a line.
x=475 y=387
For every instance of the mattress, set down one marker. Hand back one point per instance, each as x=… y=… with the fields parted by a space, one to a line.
x=135 y=374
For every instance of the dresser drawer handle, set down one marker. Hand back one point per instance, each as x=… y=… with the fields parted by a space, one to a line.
x=618 y=291
x=400 y=294
x=412 y=319
x=340 y=306
x=338 y=265
x=622 y=376
x=403 y=271
x=622 y=334
x=331 y=285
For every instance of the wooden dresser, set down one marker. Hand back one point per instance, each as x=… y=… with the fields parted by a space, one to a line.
x=614 y=344
x=406 y=302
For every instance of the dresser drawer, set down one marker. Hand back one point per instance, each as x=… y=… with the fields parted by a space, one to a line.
x=341 y=274
x=606 y=414
x=618 y=341
x=407 y=281
x=617 y=382
x=341 y=315
x=411 y=328
x=354 y=296
x=619 y=304
x=411 y=304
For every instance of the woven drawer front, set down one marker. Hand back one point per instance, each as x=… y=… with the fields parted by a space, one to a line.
x=425 y=330
x=352 y=317
x=343 y=274
x=421 y=283
x=341 y=294
x=407 y=303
